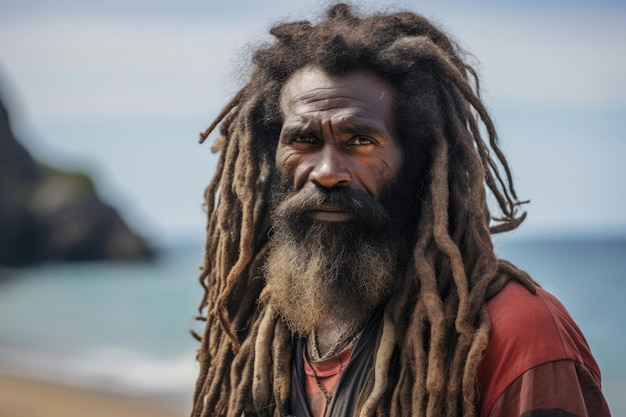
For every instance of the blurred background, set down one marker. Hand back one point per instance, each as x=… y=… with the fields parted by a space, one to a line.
x=109 y=96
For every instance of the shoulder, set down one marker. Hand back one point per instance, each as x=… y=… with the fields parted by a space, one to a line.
x=536 y=328
x=528 y=330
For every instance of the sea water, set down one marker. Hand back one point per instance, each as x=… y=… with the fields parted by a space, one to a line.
x=124 y=327
x=115 y=327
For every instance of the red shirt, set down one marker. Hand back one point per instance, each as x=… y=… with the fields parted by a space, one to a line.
x=537 y=362
x=537 y=359
x=327 y=372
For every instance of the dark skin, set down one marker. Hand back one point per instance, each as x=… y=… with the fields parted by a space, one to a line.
x=338 y=131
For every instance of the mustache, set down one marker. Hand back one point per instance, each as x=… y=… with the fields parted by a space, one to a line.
x=365 y=209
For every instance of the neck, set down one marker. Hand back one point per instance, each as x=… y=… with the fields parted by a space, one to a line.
x=332 y=336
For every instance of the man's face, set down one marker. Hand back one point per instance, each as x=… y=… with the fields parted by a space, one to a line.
x=334 y=250
x=338 y=131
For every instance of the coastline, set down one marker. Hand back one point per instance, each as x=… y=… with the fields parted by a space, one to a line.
x=22 y=397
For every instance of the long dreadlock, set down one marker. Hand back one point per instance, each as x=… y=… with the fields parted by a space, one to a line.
x=435 y=329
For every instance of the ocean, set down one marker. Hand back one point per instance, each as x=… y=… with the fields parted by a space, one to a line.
x=124 y=327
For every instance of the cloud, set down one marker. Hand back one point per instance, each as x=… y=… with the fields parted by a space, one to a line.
x=551 y=57
x=94 y=65
x=138 y=85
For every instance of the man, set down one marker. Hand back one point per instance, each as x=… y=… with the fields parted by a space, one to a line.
x=349 y=267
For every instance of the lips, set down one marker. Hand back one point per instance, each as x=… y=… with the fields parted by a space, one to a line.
x=329 y=213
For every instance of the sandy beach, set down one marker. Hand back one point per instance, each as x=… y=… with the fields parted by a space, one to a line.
x=26 y=398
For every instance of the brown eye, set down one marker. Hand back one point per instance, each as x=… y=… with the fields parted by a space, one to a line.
x=304 y=139
x=362 y=141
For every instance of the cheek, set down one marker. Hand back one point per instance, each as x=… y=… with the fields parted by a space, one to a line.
x=287 y=166
x=375 y=176
x=281 y=159
x=392 y=165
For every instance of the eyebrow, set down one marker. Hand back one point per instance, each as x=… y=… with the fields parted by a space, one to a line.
x=349 y=127
x=356 y=127
x=295 y=130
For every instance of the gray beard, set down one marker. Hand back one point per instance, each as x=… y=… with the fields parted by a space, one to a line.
x=331 y=272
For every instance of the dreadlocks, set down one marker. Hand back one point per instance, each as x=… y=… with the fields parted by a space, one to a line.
x=436 y=327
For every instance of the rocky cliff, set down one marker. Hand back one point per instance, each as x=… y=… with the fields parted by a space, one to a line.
x=47 y=214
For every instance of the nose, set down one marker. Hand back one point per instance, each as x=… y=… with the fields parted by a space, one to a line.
x=331 y=168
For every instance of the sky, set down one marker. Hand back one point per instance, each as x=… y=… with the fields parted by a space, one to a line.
x=121 y=89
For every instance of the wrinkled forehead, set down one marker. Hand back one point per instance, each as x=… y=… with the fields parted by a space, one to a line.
x=315 y=88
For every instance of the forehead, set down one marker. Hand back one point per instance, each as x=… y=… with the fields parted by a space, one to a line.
x=312 y=90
